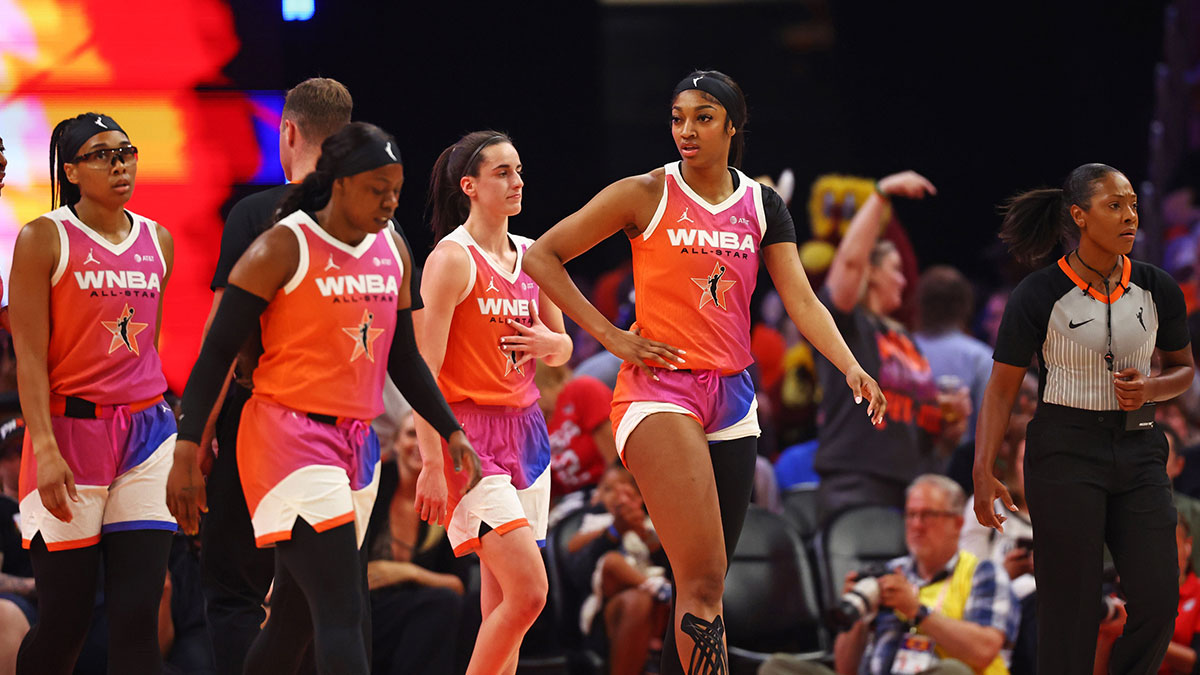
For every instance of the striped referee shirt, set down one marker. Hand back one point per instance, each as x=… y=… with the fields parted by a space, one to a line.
x=1055 y=314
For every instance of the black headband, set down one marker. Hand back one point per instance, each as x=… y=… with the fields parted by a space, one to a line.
x=79 y=130
x=375 y=153
x=491 y=140
x=711 y=85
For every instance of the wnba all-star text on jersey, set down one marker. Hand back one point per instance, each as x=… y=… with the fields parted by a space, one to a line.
x=351 y=288
x=119 y=283
x=712 y=242
x=501 y=310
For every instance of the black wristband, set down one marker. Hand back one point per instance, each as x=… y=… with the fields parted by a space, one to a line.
x=231 y=327
x=411 y=374
x=923 y=613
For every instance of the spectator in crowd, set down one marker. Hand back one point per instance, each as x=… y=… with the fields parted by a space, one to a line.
x=945 y=303
x=942 y=610
x=18 y=608
x=629 y=583
x=1186 y=506
x=416 y=582
x=581 y=436
x=860 y=463
x=1185 y=642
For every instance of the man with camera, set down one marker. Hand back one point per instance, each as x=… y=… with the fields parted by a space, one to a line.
x=937 y=611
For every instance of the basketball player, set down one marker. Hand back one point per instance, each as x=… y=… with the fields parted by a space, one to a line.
x=309 y=460
x=699 y=229
x=87 y=286
x=486 y=322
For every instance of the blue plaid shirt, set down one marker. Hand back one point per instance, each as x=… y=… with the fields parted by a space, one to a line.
x=991 y=603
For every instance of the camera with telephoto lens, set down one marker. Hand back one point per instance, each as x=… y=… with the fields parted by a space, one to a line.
x=862 y=599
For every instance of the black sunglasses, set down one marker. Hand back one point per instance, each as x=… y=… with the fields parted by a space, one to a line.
x=127 y=153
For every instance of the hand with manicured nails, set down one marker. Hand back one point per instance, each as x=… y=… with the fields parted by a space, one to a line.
x=56 y=483
x=432 y=495
x=987 y=489
x=629 y=345
x=863 y=386
x=186 y=496
x=1132 y=388
x=533 y=342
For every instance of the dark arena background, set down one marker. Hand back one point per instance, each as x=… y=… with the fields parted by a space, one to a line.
x=984 y=99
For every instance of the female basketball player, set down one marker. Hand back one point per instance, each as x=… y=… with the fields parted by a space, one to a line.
x=331 y=284
x=485 y=321
x=684 y=412
x=87 y=285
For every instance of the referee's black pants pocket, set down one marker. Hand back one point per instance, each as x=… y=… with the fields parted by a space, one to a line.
x=1087 y=485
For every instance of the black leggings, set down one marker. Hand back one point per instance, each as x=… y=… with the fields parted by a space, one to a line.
x=135 y=567
x=733 y=467
x=320 y=597
x=1089 y=482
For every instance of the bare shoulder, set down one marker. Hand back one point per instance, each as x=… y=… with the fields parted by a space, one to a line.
x=448 y=253
x=40 y=230
x=647 y=185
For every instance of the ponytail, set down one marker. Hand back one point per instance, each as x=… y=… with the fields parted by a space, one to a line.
x=1034 y=223
x=448 y=206
x=1038 y=220
x=311 y=195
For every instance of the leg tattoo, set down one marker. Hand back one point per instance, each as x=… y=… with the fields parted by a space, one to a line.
x=708 y=645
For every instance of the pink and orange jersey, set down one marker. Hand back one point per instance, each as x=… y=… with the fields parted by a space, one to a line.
x=327 y=332
x=104 y=300
x=475 y=368
x=694 y=270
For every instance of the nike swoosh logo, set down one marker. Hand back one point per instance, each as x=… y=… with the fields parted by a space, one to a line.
x=1072 y=324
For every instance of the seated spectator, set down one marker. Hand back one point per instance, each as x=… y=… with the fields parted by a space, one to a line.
x=1187 y=506
x=942 y=610
x=629 y=581
x=183 y=627
x=581 y=437
x=795 y=466
x=18 y=608
x=415 y=580
x=1185 y=642
x=945 y=303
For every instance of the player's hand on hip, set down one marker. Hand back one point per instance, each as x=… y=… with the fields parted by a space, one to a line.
x=629 y=345
x=186 y=495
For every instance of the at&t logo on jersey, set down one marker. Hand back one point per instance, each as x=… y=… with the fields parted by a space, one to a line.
x=710 y=241
x=115 y=283
x=501 y=309
x=358 y=287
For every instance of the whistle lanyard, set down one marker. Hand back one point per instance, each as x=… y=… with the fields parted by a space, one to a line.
x=1108 y=355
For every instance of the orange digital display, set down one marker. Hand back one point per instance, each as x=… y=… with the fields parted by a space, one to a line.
x=142 y=62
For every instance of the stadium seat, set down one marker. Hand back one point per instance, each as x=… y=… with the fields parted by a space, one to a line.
x=771 y=595
x=854 y=538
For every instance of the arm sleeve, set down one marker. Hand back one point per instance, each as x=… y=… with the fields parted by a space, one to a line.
x=235 y=320
x=412 y=377
x=780 y=228
x=1172 y=315
x=1021 y=329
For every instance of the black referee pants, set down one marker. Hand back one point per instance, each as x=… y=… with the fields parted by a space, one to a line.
x=236 y=573
x=1089 y=482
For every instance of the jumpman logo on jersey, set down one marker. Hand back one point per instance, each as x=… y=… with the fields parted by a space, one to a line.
x=91 y=258
x=685 y=217
x=124 y=331
x=492 y=285
x=100 y=123
x=364 y=337
x=332 y=265
x=713 y=288
x=510 y=361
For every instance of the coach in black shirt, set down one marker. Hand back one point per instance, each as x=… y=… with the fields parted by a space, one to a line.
x=1095 y=466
